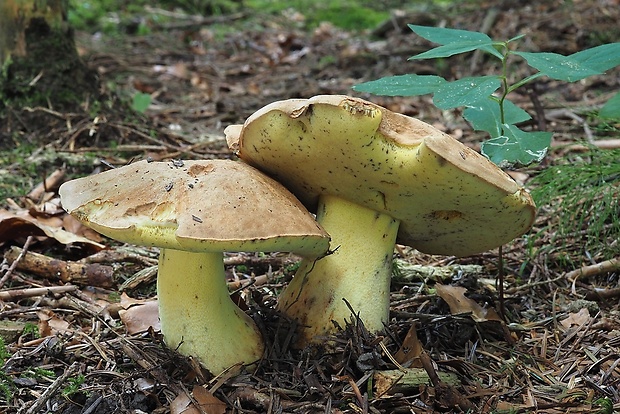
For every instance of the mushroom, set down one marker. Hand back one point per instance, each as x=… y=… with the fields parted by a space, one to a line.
x=194 y=211
x=375 y=177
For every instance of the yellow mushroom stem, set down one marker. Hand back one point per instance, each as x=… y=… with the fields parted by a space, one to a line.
x=358 y=270
x=197 y=315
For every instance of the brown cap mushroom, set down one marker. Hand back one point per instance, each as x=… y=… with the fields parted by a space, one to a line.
x=372 y=174
x=194 y=211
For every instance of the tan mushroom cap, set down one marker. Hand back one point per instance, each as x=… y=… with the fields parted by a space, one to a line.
x=449 y=199
x=218 y=205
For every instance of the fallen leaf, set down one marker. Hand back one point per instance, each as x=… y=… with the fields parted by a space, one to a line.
x=50 y=324
x=182 y=404
x=139 y=317
x=410 y=350
x=207 y=403
x=14 y=226
x=459 y=304
x=576 y=318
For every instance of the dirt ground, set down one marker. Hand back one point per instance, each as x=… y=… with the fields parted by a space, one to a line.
x=87 y=342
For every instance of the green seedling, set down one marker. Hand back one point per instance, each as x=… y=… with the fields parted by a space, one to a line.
x=6 y=387
x=485 y=97
x=4 y=352
x=6 y=383
x=38 y=373
x=73 y=385
x=31 y=330
x=141 y=102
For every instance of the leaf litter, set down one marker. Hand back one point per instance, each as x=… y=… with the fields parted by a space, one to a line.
x=76 y=344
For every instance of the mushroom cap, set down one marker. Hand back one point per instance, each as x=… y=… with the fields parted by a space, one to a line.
x=217 y=205
x=450 y=199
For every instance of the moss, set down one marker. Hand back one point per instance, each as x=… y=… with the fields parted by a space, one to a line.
x=51 y=73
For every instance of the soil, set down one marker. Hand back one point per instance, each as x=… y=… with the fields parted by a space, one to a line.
x=72 y=351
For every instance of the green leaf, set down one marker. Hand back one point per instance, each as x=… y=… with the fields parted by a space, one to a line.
x=557 y=66
x=485 y=115
x=611 y=109
x=404 y=85
x=458 y=41
x=455 y=49
x=600 y=58
x=517 y=147
x=445 y=36
x=141 y=102
x=464 y=91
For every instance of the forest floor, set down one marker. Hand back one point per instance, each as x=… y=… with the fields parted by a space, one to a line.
x=89 y=341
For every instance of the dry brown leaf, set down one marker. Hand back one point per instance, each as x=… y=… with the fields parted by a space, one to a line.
x=576 y=318
x=73 y=225
x=410 y=350
x=14 y=226
x=50 y=324
x=459 y=304
x=139 y=317
x=207 y=402
x=127 y=301
x=182 y=404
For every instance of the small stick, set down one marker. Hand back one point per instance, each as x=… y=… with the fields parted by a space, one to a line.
x=599 y=143
x=50 y=268
x=49 y=392
x=16 y=261
x=17 y=294
x=600 y=293
x=570 y=114
x=255 y=281
x=50 y=183
x=592 y=270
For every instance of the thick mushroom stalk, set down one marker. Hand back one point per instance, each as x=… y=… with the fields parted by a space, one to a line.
x=194 y=211
x=358 y=271
x=443 y=197
x=198 y=317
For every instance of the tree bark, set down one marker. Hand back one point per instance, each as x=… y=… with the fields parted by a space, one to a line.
x=39 y=63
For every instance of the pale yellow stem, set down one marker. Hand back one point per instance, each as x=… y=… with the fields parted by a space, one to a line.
x=197 y=315
x=358 y=270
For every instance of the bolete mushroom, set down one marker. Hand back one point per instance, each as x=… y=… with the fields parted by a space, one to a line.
x=194 y=211
x=375 y=177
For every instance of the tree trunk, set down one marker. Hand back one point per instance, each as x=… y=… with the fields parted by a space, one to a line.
x=39 y=64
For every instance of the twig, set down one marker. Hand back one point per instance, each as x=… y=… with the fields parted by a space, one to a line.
x=50 y=268
x=50 y=183
x=154 y=369
x=16 y=294
x=72 y=302
x=16 y=261
x=592 y=270
x=599 y=143
x=527 y=286
x=93 y=406
x=42 y=400
x=570 y=114
x=600 y=293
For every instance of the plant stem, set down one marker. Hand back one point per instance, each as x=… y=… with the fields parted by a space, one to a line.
x=505 y=87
